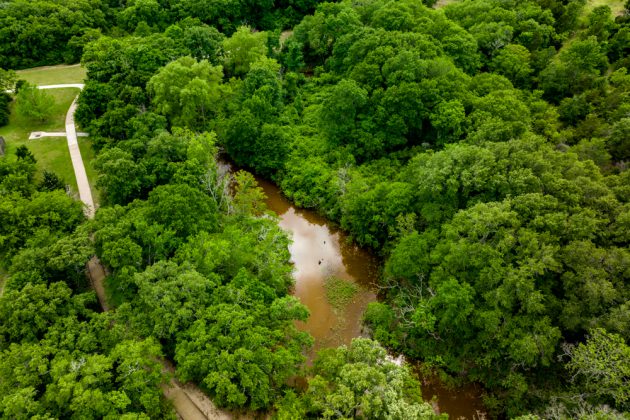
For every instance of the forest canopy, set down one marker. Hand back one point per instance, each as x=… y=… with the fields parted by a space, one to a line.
x=481 y=149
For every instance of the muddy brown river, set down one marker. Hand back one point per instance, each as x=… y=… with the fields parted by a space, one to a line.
x=320 y=251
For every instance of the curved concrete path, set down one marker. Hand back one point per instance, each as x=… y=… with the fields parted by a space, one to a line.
x=39 y=134
x=63 y=86
x=190 y=402
x=85 y=193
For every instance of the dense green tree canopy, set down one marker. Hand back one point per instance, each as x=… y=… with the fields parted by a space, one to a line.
x=481 y=149
x=359 y=382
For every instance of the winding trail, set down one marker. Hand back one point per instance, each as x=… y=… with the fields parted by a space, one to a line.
x=189 y=401
x=85 y=194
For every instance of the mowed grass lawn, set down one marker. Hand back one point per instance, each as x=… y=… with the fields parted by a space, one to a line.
x=615 y=5
x=53 y=75
x=51 y=152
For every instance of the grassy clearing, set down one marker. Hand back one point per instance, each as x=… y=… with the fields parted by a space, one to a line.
x=19 y=127
x=53 y=75
x=88 y=156
x=51 y=152
x=340 y=292
x=442 y=3
x=615 y=5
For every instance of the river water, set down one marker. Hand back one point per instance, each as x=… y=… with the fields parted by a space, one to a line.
x=319 y=251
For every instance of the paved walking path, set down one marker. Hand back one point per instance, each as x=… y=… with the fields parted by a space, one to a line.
x=77 y=162
x=85 y=194
x=39 y=134
x=63 y=86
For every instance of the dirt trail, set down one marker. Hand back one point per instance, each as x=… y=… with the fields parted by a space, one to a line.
x=189 y=401
x=97 y=275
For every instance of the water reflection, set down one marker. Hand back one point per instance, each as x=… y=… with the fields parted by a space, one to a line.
x=319 y=252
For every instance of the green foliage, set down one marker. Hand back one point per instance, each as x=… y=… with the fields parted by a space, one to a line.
x=7 y=80
x=603 y=363
x=23 y=153
x=51 y=182
x=359 y=382
x=120 y=178
x=242 y=356
x=481 y=149
x=242 y=49
x=223 y=313
x=513 y=62
x=576 y=70
x=34 y=103
x=5 y=100
x=187 y=91
x=340 y=292
x=57 y=377
x=52 y=259
x=36 y=33
x=36 y=219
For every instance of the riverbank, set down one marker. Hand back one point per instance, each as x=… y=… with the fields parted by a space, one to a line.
x=320 y=251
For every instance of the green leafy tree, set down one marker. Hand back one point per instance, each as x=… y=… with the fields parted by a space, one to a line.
x=242 y=49
x=513 y=62
x=618 y=142
x=120 y=178
x=359 y=382
x=243 y=356
x=577 y=68
x=51 y=181
x=63 y=259
x=603 y=363
x=23 y=153
x=601 y=23
x=34 y=103
x=27 y=314
x=187 y=91
x=340 y=111
x=7 y=80
x=204 y=42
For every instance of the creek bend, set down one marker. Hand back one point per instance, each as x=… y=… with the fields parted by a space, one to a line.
x=320 y=251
